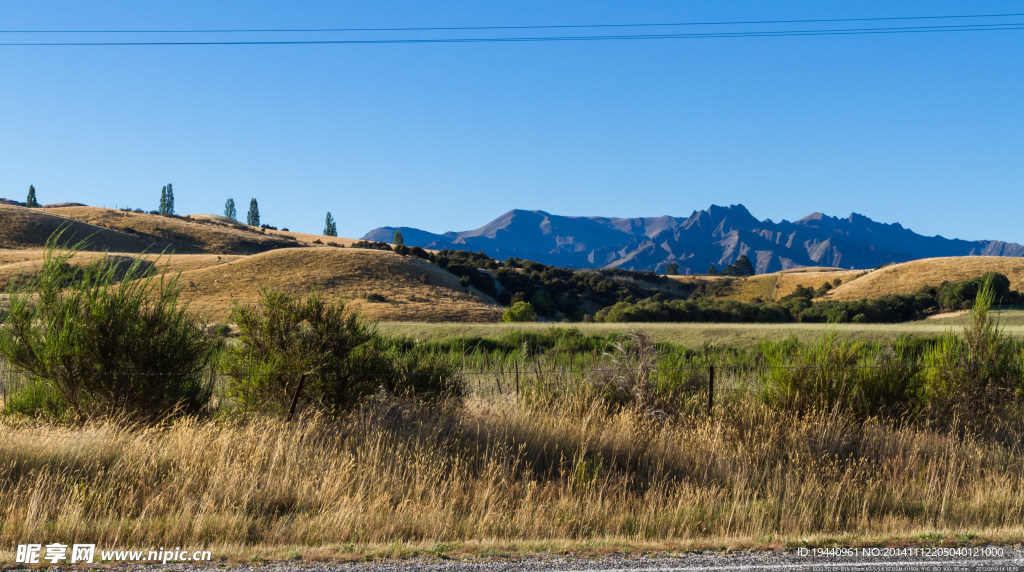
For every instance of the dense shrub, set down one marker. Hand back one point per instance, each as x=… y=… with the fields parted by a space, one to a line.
x=108 y=338
x=519 y=312
x=371 y=245
x=960 y=295
x=977 y=371
x=292 y=352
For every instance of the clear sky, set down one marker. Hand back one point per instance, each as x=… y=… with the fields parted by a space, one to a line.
x=922 y=128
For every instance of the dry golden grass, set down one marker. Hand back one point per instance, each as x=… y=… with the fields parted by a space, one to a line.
x=497 y=473
x=27 y=262
x=411 y=288
x=908 y=277
x=381 y=284
x=22 y=227
x=772 y=287
x=184 y=236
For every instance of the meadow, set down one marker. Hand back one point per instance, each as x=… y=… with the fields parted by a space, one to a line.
x=312 y=433
x=696 y=335
x=599 y=450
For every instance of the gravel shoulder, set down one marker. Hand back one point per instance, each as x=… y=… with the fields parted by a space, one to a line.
x=989 y=558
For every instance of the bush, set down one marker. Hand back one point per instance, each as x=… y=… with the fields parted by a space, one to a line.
x=371 y=245
x=312 y=352
x=519 y=312
x=977 y=371
x=108 y=338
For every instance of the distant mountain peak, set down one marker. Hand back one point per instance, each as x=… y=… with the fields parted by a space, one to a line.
x=716 y=235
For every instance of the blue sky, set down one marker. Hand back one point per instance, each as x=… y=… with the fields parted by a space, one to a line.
x=924 y=129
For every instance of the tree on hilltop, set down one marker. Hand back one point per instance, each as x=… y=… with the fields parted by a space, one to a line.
x=170 y=201
x=399 y=243
x=166 y=201
x=31 y=201
x=253 y=219
x=742 y=267
x=229 y=210
x=330 y=227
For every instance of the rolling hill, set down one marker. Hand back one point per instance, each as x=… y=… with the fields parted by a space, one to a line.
x=718 y=235
x=221 y=261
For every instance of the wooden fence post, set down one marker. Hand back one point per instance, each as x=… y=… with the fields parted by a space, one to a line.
x=711 y=389
x=517 y=378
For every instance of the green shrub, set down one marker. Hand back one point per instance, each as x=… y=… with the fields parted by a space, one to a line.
x=519 y=312
x=800 y=377
x=108 y=337
x=976 y=371
x=313 y=353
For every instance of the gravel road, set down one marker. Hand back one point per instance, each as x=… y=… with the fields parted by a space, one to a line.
x=1009 y=559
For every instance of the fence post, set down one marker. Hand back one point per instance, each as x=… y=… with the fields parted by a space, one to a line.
x=517 y=378
x=711 y=389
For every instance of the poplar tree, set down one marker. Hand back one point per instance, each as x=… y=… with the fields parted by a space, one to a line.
x=254 y=213
x=229 y=210
x=169 y=202
x=330 y=228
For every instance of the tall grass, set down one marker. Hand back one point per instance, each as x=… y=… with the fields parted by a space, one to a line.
x=496 y=471
x=571 y=440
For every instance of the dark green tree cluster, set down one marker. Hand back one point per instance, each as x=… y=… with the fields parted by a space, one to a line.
x=800 y=306
x=229 y=209
x=741 y=267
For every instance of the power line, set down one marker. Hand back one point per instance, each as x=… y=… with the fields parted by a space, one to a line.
x=749 y=34
x=523 y=27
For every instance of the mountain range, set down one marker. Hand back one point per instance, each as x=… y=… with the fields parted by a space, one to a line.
x=718 y=235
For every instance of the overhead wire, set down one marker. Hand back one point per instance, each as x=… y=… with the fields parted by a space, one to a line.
x=604 y=37
x=515 y=27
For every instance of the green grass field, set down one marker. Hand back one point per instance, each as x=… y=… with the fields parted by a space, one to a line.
x=696 y=334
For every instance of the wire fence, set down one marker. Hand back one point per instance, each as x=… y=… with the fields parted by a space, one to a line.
x=516 y=377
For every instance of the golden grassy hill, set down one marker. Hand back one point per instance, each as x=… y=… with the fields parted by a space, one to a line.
x=21 y=227
x=182 y=235
x=383 y=285
x=221 y=260
x=774 y=286
x=909 y=277
x=27 y=262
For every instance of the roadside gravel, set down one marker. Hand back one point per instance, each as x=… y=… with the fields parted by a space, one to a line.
x=1009 y=559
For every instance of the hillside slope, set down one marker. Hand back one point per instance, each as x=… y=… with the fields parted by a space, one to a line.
x=21 y=227
x=383 y=285
x=910 y=277
x=181 y=235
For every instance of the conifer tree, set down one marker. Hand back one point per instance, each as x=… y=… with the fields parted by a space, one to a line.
x=330 y=228
x=398 y=241
x=31 y=201
x=169 y=202
x=254 y=213
x=229 y=210
x=163 y=201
